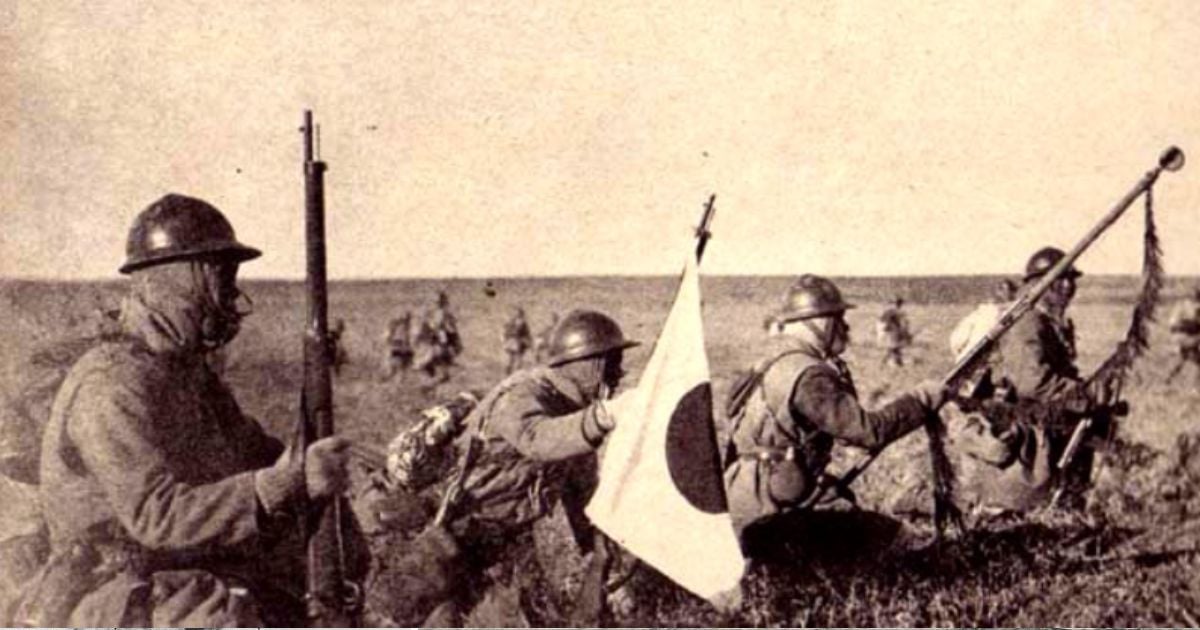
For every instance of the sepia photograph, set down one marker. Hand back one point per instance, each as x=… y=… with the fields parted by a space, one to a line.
x=701 y=314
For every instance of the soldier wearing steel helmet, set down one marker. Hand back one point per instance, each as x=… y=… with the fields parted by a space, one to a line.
x=1185 y=332
x=792 y=406
x=166 y=505
x=529 y=445
x=1039 y=397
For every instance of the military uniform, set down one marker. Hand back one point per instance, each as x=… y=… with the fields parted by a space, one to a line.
x=783 y=435
x=1039 y=401
x=437 y=343
x=517 y=340
x=527 y=446
x=1185 y=332
x=166 y=506
x=541 y=343
x=893 y=334
x=398 y=348
x=148 y=463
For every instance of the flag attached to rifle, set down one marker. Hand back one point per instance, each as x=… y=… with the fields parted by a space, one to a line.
x=661 y=494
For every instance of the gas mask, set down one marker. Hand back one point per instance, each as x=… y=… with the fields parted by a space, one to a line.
x=610 y=379
x=599 y=376
x=222 y=304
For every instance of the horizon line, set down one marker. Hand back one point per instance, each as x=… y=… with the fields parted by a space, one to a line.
x=362 y=279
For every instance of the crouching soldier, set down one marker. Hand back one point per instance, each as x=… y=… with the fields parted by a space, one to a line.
x=528 y=445
x=165 y=505
x=791 y=408
x=1185 y=332
x=1038 y=402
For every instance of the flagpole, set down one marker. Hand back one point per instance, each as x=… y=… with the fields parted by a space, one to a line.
x=703 y=233
x=665 y=461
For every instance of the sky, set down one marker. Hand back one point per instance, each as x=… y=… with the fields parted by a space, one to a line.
x=512 y=139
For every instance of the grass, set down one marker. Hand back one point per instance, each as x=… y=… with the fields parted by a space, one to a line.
x=1126 y=562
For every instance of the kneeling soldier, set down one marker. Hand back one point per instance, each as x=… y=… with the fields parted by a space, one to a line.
x=788 y=412
x=166 y=505
x=528 y=445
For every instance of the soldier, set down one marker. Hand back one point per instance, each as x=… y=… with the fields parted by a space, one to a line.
x=541 y=344
x=528 y=445
x=337 y=348
x=397 y=344
x=1185 y=331
x=437 y=341
x=167 y=506
x=517 y=340
x=893 y=333
x=975 y=325
x=791 y=408
x=1039 y=398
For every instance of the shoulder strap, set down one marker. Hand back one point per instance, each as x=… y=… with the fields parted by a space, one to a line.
x=744 y=386
x=768 y=399
x=452 y=495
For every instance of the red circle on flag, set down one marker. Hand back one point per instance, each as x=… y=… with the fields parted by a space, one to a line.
x=692 y=456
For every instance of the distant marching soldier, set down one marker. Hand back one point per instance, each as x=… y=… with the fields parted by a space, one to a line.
x=788 y=412
x=541 y=343
x=397 y=345
x=517 y=340
x=437 y=342
x=337 y=347
x=1185 y=331
x=893 y=333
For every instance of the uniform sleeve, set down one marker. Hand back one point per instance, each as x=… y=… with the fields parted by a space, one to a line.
x=521 y=420
x=113 y=429
x=265 y=448
x=822 y=397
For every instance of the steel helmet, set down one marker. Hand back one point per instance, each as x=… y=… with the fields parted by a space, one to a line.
x=583 y=334
x=1044 y=260
x=809 y=297
x=178 y=228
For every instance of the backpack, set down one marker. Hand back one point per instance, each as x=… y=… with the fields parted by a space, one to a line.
x=24 y=416
x=745 y=382
x=424 y=453
x=23 y=419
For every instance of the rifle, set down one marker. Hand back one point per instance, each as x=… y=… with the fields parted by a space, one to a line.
x=332 y=600
x=1171 y=159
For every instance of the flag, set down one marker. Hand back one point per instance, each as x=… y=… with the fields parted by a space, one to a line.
x=661 y=494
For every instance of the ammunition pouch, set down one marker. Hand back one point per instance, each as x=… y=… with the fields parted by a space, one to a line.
x=72 y=571
x=54 y=591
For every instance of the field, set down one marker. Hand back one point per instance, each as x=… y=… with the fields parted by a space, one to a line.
x=1128 y=561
